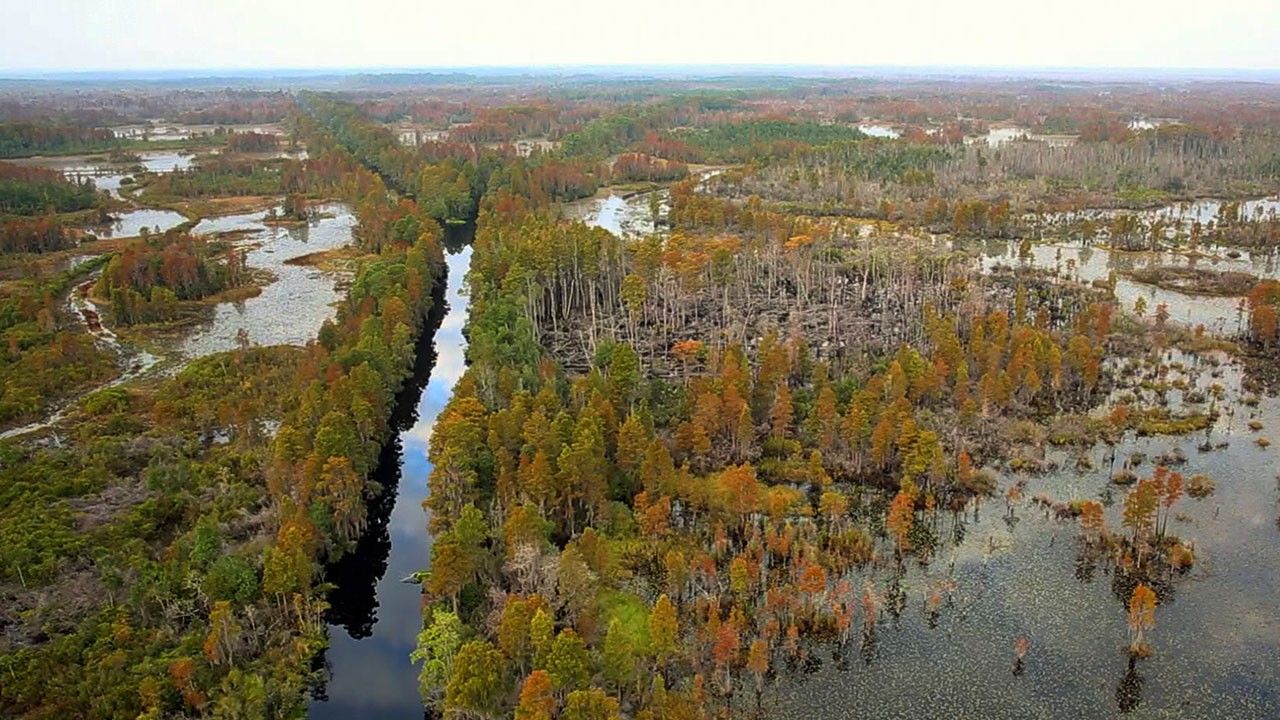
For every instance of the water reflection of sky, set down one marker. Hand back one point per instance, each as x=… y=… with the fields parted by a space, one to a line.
x=291 y=308
x=130 y=223
x=162 y=162
x=880 y=131
x=107 y=176
x=372 y=676
x=620 y=216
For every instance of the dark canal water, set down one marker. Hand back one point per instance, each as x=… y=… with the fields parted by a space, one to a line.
x=374 y=617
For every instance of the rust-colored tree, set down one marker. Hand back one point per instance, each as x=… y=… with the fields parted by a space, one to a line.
x=1142 y=619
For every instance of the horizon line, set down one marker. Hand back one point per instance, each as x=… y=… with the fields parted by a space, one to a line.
x=269 y=72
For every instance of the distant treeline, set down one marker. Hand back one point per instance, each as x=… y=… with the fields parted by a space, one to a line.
x=26 y=138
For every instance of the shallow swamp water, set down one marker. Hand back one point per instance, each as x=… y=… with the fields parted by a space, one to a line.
x=130 y=223
x=293 y=306
x=945 y=633
x=1087 y=263
x=106 y=175
x=1002 y=573
x=619 y=215
x=288 y=311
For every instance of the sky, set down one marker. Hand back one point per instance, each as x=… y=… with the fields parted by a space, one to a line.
x=150 y=35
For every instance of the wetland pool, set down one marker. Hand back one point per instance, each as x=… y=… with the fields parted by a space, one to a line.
x=293 y=306
x=1087 y=263
x=944 y=635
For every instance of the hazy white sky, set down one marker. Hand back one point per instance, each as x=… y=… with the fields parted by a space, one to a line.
x=227 y=34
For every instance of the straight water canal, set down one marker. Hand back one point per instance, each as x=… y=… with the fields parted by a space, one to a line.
x=374 y=616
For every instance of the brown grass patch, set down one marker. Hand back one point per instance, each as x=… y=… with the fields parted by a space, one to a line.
x=237 y=205
x=343 y=259
x=1195 y=281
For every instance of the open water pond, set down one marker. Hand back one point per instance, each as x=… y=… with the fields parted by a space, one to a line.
x=1086 y=263
x=1180 y=215
x=131 y=223
x=625 y=215
x=108 y=176
x=163 y=162
x=998 y=136
x=880 y=131
x=292 y=307
x=617 y=214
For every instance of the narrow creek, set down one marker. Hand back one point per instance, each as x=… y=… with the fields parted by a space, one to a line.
x=374 y=616
x=133 y=361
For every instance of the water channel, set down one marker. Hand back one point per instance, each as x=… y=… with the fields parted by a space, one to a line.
x=374 y=616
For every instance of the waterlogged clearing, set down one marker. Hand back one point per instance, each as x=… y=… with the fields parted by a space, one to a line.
x=1209 y=209
x=632 y=214
x=96 y=165
x=620 y=215
x=109 y=176
x=1088 y=264
x=1181 y=215
x=163 y=162
x=1149 y=123
x=293 y=306
x=998 y=136
x=131 y=223
x=1009 y=570
x=880 y=131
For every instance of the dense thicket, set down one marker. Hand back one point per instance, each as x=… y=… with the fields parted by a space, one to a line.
x=224 y=175
x=148 y=278
x=43 y=233
x=252 y=142
x=32 y=190
x=757 y=139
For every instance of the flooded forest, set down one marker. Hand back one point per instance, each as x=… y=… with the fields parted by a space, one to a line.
x=668 y=398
